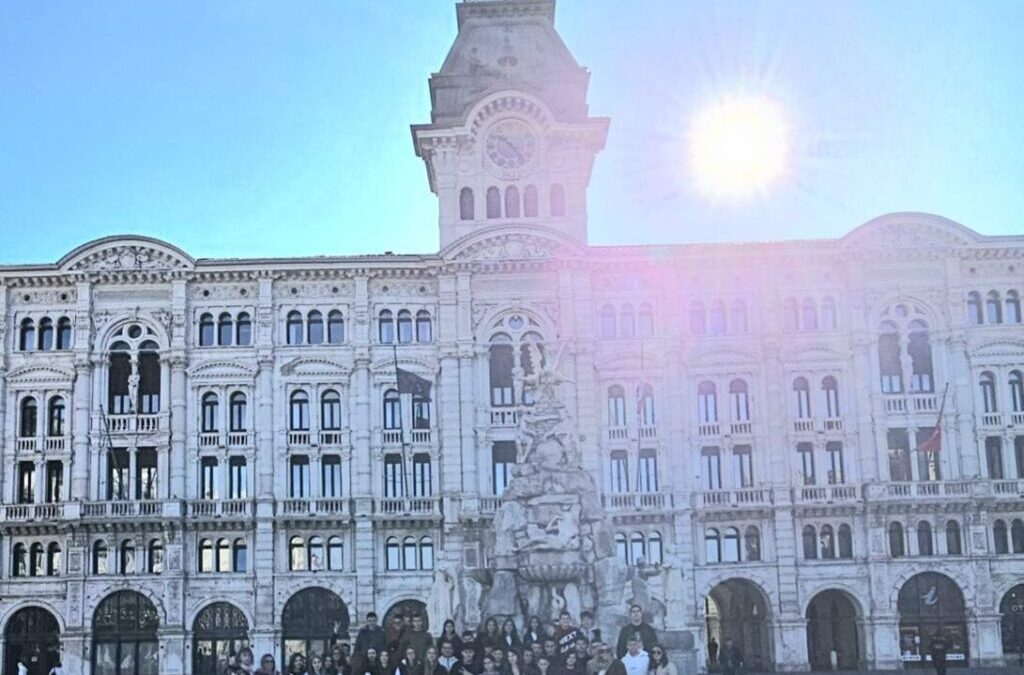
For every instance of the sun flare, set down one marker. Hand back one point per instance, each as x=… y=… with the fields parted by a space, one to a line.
x=738 y=146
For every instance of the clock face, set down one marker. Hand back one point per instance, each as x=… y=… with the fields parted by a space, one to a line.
x=511 y=145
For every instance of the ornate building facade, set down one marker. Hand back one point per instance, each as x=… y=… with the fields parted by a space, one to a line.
x=814 y=447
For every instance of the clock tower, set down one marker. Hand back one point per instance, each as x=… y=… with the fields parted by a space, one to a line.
x=510 y=141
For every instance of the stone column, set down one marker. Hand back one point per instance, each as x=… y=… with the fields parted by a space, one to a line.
x=179 y=410
x=81 y=402
x=265 y=454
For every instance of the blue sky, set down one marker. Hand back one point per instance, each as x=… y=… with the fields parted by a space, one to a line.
x=245 y=128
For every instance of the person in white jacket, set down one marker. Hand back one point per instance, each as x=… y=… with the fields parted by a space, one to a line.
x=636 y=660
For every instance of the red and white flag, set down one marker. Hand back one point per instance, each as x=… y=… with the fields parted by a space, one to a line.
x=934 y=442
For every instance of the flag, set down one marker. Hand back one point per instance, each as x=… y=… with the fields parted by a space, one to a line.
x=934 y=442
x=411 y=383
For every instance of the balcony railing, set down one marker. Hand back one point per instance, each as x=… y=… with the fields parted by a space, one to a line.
x=219 y=508
x=409 y=506
x=911 y=403
x=832 y=424
x=490 y=504
x=1017 y=418
x=707 y=429
x=239 y=439
x=741 y=428
x=992 y=420
x=421 y=436
x=803 y=426
x=736 y=498
x=331 y=438
x=327 y=506
x=637 y=501
x=391 y=436
x=826 y=494
x=504 y=417
x=136 y=423
x=618 y=434
x=26 y=444
x=648 y=432
x=1013 y=488
x=298 y=438
x=926 y=489
x=210 y=439
x=55 y=443
x=32 y=512
x=118 y=509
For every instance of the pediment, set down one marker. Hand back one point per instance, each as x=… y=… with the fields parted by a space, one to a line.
x=220 y=370
x=126 y=254
x=812 y=354
x=731 y=358
x=417 y=366
x=512 y=244
x=910 y=231
x=40 y=374
x=308 y=366
x=997 y=352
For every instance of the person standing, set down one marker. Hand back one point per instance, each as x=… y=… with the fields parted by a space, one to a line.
x=447 y=659
x=731 y=658
x=660 y=665
x=448 y=634
x=636 y=626
x=417 y=638
x=587 y=628
x=370 y=636
x=267 y=665
x=565 y=634
x=713 y=650
x=938 y=648
x=636 y=660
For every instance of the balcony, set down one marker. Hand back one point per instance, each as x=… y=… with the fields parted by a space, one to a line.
x=409 y=506
x=1017 y=419
x=960 y=489
x=23 y=513
x=391 y=436
x=210 y=439
x=332 y=438
x=832 y=424
x=490 y=504
x=803 y=426
x=55 y=443
x=239 y=439
x=144 y=424
x=421 y=436
x=327 y=506
x=746 y=497
x=709 y=429
x=217 y=508
x=827 y=494
x=741 y=428
x=504 y=418
x=902 y=404
x=648 y=432
x=26 y=444
x=122 y=509
x=992 y=420
x=300 y=438
x=617 y=433
x=637 y=501
x=1008 y=488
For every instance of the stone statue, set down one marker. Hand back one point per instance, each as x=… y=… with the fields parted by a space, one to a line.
x=442 y=594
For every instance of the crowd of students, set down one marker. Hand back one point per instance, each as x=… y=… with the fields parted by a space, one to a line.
x=406 y=648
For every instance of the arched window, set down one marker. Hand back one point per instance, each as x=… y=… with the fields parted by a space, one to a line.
x=897 y=547
x=56 y=417
x=616 y=406
x=974 y=315
x=716 y=319
x=19 y=561
x=712 y=546
x=557 y=200
x=790 y=315
x=1017 y=391
x=608 y=321
x=64 y=332
x=35 y=560
x=29 y=418
x=697 y=319
x=845 y=541
x=240 y=555
x=802 y=398
x=127 y=557
x=420 y=412
x=752 y=543
x=155 y=557
x=294 y=328
x=1017 y=536
x=707 y=404
x=993 y=308
x=392 y=410
x=810 y=542
x=654 y=551
x=987 y=383
x=243 y=330
x=622 y=547
x=27 y=335
x=1012 y=314
x=404 y=326
x=645 y=323
x=99 y=557
x=211 y=413
x=298 y=411
x=830 y=388
x=386 y=327
x=828 y=314
x=808 y=315
x=1000 y=537
x=239 y=412
x=53 y=559
x=330 y=411
x=501 y=363
x=731 y=545
x=530 y=201
x=335 y=554
x=511 y=202
x=223 y=561
x=316 y=553
x=954 y=543
x=627 y=322
x=739 y=401
x=493 y=202
x=392 y=554
x=920 y=351
x=45 y=334
x=409 y=553
x=889 y=359
x=647 y=405
x=424 y=327
x=225 y=329
x=315 y=328
x=206 y=330
x=738 y=316
x=467 y=207
x=426 y=553
x=296 y=554
x=335 y=328
x=828 y=542
x=924 y=538
x=637 y=548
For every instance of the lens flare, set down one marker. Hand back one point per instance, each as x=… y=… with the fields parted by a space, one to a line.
x=738 y=146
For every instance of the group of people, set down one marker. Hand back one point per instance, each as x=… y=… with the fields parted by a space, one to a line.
x=406 y=647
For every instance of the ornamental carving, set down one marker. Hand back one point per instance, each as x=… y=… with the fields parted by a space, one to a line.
x=908 y=234
x=128 y=258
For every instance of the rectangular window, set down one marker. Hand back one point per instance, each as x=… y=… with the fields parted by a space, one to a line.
x=740 y=406
x=616 y=411
x=619 y=472
x=420 y=413
x=26 y=482
x=117 y=475
x=421 y=486
x=742 y=466
x=331 y=475
x=836 y=473
x=393 y=483
x=145 y=473
x=899 y=455
x=392 y=412
x=119 y=402
x=711 y=463
x=707 y=408
x=502 y=361
x=647 y=471
x=994 y=457
x=832 y=402
x=54 y=481
x=149 y=383
x=238 y=478
x=928 y=465
x=806 y=453
x=299 y=483
x=503 y=458
x=1018 y=453
x=209 y=478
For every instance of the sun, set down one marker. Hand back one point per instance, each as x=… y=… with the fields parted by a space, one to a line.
x=738 y=146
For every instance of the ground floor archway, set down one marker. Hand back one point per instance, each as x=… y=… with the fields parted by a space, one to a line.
x=832 y=634
x=1012 y=609
x=738 y=610
x=219 y=632
x=32 y=634
x=313 y=621
x=931 y=604
x=124 y=629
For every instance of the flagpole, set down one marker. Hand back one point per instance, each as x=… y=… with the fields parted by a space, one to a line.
x=401 y=428
x=639 y=415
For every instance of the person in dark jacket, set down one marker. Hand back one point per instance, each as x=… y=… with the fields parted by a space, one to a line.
x=938 y=648
x=510 y=635
x=448 y=634
x=371 y=636
x=417 y=637
x=731 y=658
x=410 y=663
x=636 y=626
x=534 y=631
